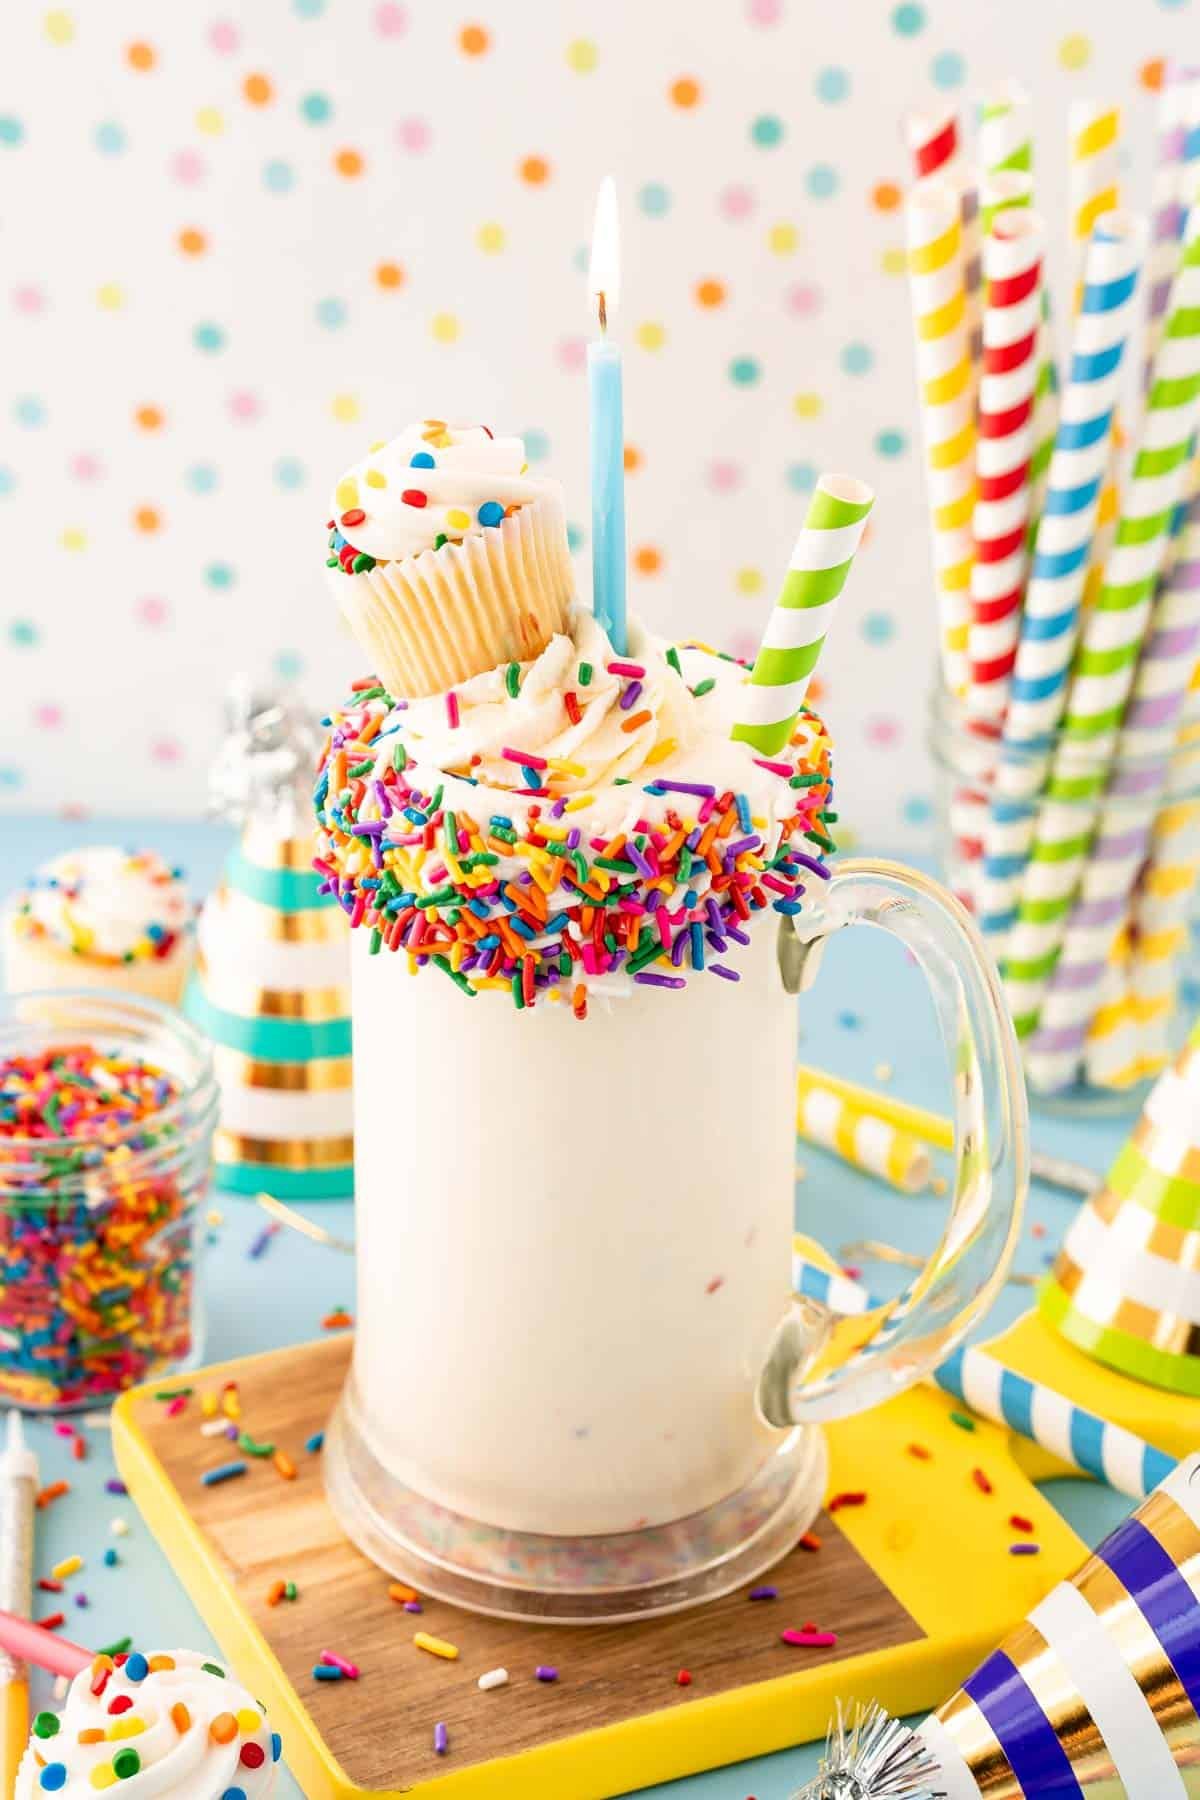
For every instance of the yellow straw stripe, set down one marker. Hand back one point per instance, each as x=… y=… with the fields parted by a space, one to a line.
x=1171 y=879
x=1107 y=1020
x=843 y=1133
x=1157 y=946
x=1093 y=209
x=939 y=390
x=943 y=319
x=927 y=259
x=931 y=1127
x=956 y=580
x=1097 y=136
x=955 y=513
x=956 y=637
x=953 y=450
x=898 y=1160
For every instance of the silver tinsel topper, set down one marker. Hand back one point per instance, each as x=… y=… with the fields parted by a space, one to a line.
x=873 y=1757
x=264 y=770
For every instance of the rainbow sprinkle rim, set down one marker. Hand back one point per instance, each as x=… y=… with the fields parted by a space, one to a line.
x=523 y=900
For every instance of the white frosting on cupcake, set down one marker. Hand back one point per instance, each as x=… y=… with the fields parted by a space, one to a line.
x=172 y=1726
x=434 y=481
x=106 y=904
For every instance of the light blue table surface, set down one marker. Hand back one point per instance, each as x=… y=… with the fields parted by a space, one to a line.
x=868 y=1018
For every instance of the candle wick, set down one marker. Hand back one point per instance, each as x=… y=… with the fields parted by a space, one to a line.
x=603 y=310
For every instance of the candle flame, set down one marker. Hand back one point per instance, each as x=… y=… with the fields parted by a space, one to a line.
x=604 y=269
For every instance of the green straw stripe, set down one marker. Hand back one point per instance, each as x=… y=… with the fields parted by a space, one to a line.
x=1104 y=662
x=1161 y=462
x=1184 y=323
x=813 y=587
x=1037 y=969
x=827 y=512
x=1141 y=528
x=779 y=668
x=1039 y=912
x=1061 y=849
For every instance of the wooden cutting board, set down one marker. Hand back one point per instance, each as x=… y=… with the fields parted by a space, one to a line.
x=889 y=1578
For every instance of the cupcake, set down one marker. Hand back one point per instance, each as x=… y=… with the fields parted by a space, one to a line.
x=103 y=918
x=447 y=558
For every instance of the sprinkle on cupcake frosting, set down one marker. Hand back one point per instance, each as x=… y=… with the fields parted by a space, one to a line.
x=573 y=826
x=433 y=484
x=104 y=904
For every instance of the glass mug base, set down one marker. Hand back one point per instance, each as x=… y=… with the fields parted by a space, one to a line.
x=571 y=1580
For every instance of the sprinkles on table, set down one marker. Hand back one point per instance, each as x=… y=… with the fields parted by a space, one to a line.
x=516 y=894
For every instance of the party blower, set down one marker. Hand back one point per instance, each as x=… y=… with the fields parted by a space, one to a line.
x=1096 y=1694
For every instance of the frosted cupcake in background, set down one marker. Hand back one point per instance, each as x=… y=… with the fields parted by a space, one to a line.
x=176 y=1726
x=446 y=557
x=104 y=918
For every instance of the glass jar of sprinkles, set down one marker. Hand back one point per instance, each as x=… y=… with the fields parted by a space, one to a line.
x=107 y=1110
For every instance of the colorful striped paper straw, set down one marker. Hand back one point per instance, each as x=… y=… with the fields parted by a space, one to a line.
x=944 y=373
x=1012 y=266
x=1177 y=157
x=935 y=145
x=933 y=142
x=1000 y=191
x=1006 y=129
x=1140 y=768
x=1112 y=637
x=1119 y=1458
x=1095 y=132
x=859 y=1136
x=1049 y=622
x=770 y=701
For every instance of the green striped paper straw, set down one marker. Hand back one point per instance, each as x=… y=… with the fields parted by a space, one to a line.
x=1106 y=659
x=772 y=698
x=1006 y=129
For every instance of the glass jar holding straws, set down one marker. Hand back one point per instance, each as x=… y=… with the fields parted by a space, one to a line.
x=1087 y=893
x=107 y=1109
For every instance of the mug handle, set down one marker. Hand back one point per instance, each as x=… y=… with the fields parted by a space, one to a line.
x=824 y=1364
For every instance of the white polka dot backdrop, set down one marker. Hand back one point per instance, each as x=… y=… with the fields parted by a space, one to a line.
x=239 y=243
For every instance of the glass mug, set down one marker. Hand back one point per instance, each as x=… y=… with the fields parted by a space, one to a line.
x=580 y=1387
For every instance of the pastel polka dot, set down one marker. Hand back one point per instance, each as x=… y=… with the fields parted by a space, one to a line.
x=389 y=276
x=883 y=732
x=891 y=443
x=192 y=242
x=11 y=777
x=856 y=359
x=736 y=202
x=744 y=371
x=886 y=196
x=685 y=93
x=474 y=40
x=210 y=120
x=1075 y=51
x=444 y=328
x=109 y=138
x=582 y=56
x=807 y=405
x=349 y=163
x=724 y=477
x=187 y=167
x=244 y=406
x=29 y=300
x=29 y=411
x=60 y=27
x=202 y=478
x=86 y=467
x=391 y=19
x=908 y=19
x=207 y=336
x=576 y=537
x=48 y=717
x=821 y=181
x=166 y=750
x=220 y=575
x=278 y=176
x=288 y=664
x=152 y=610
x=766 y=131
x=764 y=12
x=803 y=299
x=11 y=130
x=149 y=418
x=749 y=581
x=631 y=458
x=948 y=70
x=878 y=627
x=289 y=473
x=893 y=261
x=490 y=238
x=832 y=85
x=710 y=293
x=8 y=482
x=647 y=559
x=110 y=296
x=224 y=37
x=413 y=135
x=147 y=519
x=917 y=809
x=142 y=57
x=1152 y=73
x=654 y=200
x=571 y=354
x=73 y=538
x=537 y=445
x=331 y=313
x=308 y=9
x=23 y=634
x=801 y=477
x=534 y=170
x=782 y=239
x=650 y=335
x=315 y=109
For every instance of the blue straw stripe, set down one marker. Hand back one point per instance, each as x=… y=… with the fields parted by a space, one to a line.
x=1045 y=629
x=1061 y=503
x=1168 y=1604
x=1051 y=565
x=1081 y=434
x=1024 y=1733
x=1016 y=1402
x=1038 y=687
x=1156 y=1466
x=1087 y=1442
x=1096 y=364
x=1106 y=296
x=814 y=1282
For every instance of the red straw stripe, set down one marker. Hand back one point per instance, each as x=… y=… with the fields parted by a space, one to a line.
x=992 y=550
x=936 y=151
x=1002 y=425
x=1007 y=292
x=990 y=612
x=999 y=359
x=995 y=670
x=999 y=487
